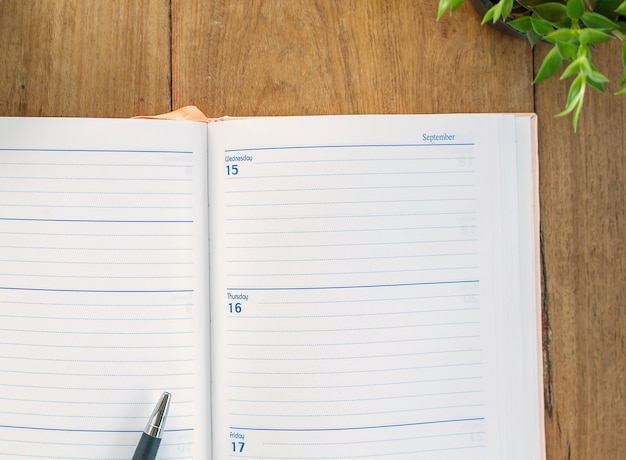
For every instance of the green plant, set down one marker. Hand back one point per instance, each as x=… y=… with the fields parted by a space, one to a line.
x=573 y=28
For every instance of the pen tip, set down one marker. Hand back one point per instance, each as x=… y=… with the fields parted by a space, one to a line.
x=156 y=422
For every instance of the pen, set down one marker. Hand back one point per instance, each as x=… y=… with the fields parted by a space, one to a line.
x=151 y=436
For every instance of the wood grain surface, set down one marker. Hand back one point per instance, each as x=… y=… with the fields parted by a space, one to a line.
x=583 y=195
x=301 y=57
x=85 y=58
x=120 y=58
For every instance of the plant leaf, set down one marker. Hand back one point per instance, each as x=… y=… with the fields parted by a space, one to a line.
x=621 y=9
x=593 y=36
x=621 y=91
x=597 y=77
x=533 y=37
x=493 y=14
x=566 y=50
x=563 y=34
x=575 y=8
x=523 y=24
x=530 y=4
x=607 y=8
x=550 y=65
x=576 y=116
x=583 y=50
x=596 y=85
x=598 y=21
x=574 y=68
x=576 y=106
x=576 y=88
x=540 y=26
x=507 y=6
x=444 y=5
x=441 y=9
x=553 y=12
x=575 y=99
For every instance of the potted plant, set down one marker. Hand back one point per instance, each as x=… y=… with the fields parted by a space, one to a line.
x=572 y=27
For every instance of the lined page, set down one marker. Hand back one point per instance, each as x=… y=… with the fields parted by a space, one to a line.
x=101 y=286
x=351 y=303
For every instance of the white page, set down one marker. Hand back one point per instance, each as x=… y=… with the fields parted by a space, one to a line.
x=530 y=282
x=353 y=261
x=102 y=287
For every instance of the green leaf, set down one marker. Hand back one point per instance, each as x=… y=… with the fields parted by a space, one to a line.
x=597 y=77
x=575 y=8
x=562 y=35
x=624 y=54
x=598 y=21
x=607 y=8
x=621 y=9
x=507 y=6
x=441 y=9
x=576 y=89
x=566 y=50
x=456 y=4
x=576 y=116
x=489 y=16
x=550 y=65
x=540 y=26
x=553 y=12
x=577 y=107
x=583 y=51
x=493 y=14
x=596 y=85
x=574 y=68
x=533 y=37
x=444 y=5
x=593 y=36
x=523 y=24
x=623 y=79
x=530 y=4
x=621 y=91
x=575 y=99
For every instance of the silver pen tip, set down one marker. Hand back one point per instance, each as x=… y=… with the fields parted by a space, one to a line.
x=156 y=422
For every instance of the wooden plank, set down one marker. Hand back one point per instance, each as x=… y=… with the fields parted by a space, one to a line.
x=583 y=191
x=84 y=57
x=302 y=57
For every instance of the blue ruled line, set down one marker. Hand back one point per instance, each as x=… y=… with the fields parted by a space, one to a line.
x=98 y=221
x=313 y=288
x=185 y=152
x=147 y=291
x=78 y=430
x=372 y=427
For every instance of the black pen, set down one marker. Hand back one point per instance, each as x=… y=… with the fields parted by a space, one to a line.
x=151 y=436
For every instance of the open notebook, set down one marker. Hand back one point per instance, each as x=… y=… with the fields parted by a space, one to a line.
x=341 y=287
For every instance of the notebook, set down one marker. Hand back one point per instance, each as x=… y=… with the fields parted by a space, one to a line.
x=322 y=287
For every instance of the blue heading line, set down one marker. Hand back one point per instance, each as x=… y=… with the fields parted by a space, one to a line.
x=147 y=291
x=300 y=147
x=26 y=219
x=96 y=150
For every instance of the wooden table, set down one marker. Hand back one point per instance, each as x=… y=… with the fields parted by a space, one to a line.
x=119 y=58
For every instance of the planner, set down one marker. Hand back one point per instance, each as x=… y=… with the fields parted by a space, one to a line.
x=320 y=287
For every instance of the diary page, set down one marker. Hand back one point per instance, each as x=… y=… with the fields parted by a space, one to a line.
x=103 y=286
x=353 y=267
